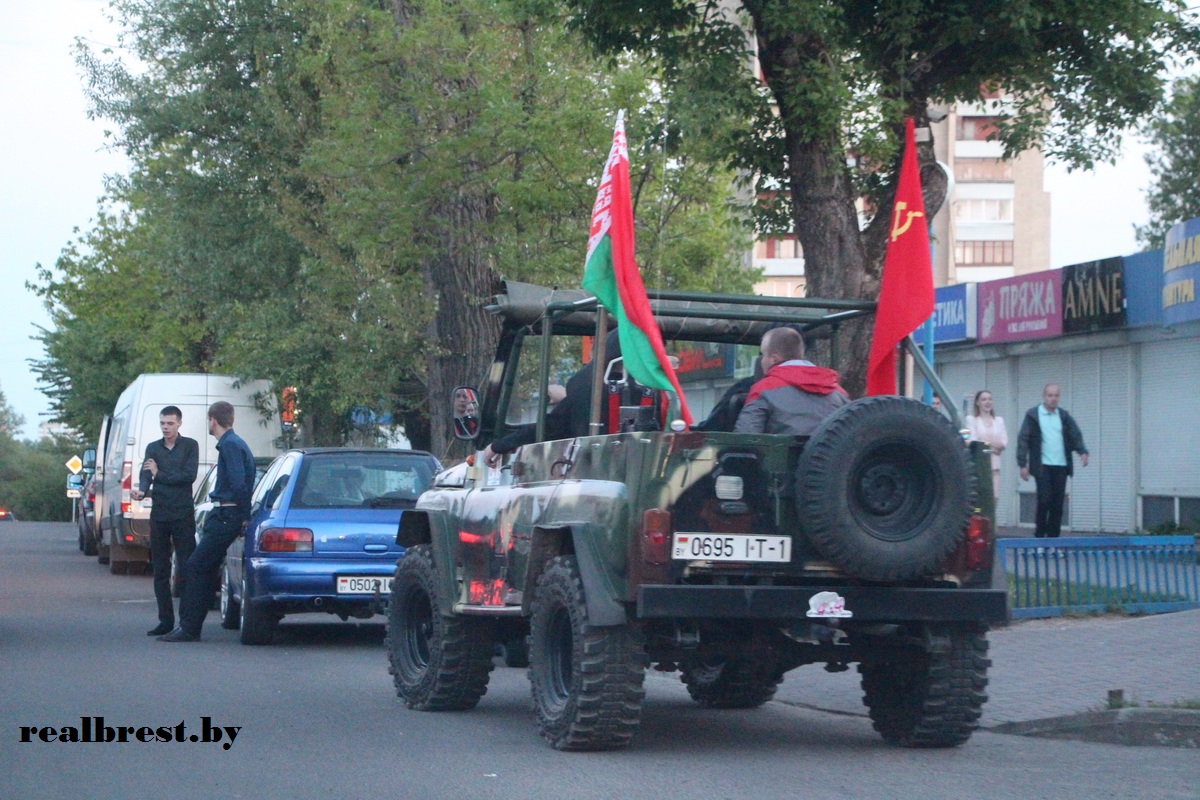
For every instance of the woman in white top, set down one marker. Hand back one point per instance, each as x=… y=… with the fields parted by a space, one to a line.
x=986 y=427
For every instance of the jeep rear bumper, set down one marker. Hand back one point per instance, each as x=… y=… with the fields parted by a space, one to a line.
x=863 y=603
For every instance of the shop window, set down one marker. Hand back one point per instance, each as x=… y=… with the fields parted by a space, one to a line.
x=1189 y=514
x=1157 y=511
x=983 y=253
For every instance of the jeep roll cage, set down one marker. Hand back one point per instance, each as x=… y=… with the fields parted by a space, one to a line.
x=684 y=316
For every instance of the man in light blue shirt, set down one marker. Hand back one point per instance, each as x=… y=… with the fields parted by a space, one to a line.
x=1049 y=435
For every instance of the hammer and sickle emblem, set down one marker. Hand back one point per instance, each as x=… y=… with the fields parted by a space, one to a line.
x=898 y=229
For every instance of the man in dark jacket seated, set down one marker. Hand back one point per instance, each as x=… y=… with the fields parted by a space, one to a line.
x=794 y=396
x=570 y=418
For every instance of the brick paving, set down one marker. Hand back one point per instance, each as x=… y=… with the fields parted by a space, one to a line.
x=1048 y=668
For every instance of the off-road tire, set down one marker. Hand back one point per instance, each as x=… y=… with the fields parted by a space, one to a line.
x=257 y=623
x=516 y=652
x=732 y=683
x=587 y=682
x=437 y=662
x=231 y=609
x=930 y=699
x=884 y=488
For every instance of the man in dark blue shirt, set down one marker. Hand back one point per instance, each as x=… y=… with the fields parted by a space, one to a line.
x=231 y=496
x=167 y=476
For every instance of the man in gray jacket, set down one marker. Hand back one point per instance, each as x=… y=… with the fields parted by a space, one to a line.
x=794 y=396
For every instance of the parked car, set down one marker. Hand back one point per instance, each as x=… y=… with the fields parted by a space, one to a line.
x=321 y=537
x=85 y=517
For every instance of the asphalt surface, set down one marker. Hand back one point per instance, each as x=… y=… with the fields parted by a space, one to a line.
x=318 y=718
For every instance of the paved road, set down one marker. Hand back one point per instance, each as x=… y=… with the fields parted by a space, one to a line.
x=318 y=717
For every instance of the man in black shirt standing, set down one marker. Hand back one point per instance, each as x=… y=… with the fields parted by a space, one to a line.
x=167 y=476
x=231 y=498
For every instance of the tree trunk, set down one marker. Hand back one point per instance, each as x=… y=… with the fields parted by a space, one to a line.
x=462 y=335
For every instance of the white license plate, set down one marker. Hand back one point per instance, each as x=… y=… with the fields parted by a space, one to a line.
x=354 y=584
x=731 y=547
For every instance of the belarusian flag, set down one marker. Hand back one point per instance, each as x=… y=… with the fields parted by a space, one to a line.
x=611 y=273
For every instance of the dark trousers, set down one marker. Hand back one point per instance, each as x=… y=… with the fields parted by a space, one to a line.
x=167 y=535
x=221 y=527
x=1051 y=489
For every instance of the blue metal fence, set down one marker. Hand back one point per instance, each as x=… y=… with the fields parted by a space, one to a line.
x=1146 y=574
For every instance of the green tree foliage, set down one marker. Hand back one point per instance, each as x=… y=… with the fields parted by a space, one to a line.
x=32 y=475
x=324 y=193
x=1174 y=195
x=10 y=420
x=841 y=76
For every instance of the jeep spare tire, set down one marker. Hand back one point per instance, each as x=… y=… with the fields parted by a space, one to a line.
x=884 y=488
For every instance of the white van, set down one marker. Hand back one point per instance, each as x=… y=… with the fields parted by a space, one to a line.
x=124 y=525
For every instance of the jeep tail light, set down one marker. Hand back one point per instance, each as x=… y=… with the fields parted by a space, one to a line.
x=979 y=543
x=126 y=486
x=656 y=536
x=285 y=540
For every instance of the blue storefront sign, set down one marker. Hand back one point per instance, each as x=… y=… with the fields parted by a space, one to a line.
x=954 y=313
x=1143 y=288
x=1181 y=273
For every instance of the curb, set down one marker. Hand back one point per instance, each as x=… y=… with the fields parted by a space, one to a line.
x=1136 y=727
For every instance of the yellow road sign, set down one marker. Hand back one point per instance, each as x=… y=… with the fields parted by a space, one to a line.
x=75 y=464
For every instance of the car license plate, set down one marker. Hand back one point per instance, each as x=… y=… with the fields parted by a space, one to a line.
x=355 y=584
x=731 y=547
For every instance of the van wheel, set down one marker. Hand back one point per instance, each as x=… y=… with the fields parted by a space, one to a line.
x=587 y=682
x=118 y=561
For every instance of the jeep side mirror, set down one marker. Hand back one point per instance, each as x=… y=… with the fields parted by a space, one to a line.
x=464 y=403
x=89 y=461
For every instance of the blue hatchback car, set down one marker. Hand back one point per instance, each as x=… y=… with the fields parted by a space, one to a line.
x=321 y=536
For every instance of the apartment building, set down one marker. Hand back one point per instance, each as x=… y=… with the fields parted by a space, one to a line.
x=995 y=223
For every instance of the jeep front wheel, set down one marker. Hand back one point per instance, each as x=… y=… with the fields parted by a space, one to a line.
x=931 y=699
x=730 y=683
x=438 y=662
x=586 y=681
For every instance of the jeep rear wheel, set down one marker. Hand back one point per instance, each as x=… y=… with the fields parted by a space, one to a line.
x=932 y=699
x=438 y=663
x=730 y=683
x=586 y=682
x=884 y=488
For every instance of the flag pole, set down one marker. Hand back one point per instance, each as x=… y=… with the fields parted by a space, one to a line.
x=595 y=423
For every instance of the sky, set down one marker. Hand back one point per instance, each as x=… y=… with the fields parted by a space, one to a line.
x=53 y=162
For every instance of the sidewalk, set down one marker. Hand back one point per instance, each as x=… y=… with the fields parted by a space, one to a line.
x=1048 y=668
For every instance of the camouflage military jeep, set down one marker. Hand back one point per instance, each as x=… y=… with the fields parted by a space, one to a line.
x=730 y=558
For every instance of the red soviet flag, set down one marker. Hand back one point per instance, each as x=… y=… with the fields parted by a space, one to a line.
x=906 y=293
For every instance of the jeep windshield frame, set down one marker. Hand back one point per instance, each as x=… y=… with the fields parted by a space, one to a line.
x=688 y=316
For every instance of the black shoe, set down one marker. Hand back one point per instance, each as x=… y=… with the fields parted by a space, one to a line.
x=179 y=635
x=160 y=630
